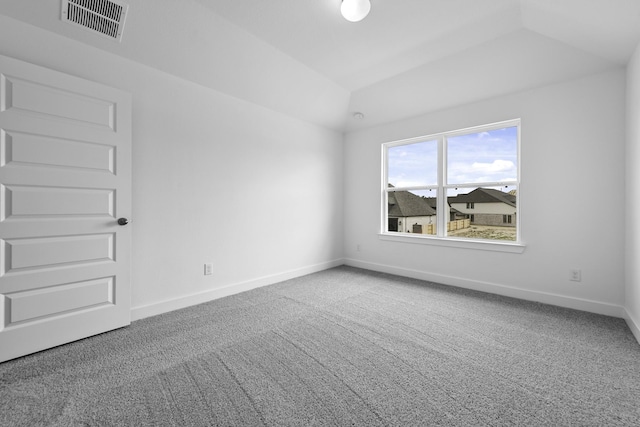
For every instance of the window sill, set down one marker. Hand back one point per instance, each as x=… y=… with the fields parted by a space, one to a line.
x=496 y=246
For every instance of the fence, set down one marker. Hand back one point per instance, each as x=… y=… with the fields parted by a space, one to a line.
x=451 y=226
x=458 y=224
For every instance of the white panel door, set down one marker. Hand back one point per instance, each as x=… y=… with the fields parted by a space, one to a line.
x=65 y=180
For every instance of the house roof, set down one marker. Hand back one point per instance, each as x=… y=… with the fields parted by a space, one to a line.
x=433 y=202
x=405 y=203
x=485 y=195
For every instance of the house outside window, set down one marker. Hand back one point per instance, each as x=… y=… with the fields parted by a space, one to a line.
x=460 y=185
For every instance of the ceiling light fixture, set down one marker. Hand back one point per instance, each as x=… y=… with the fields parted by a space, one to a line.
x=355 y=10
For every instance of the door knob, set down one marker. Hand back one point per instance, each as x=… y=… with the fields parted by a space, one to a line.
x=123 y=221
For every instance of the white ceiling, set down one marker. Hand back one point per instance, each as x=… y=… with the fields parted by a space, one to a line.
x=390 y=40
x=408 y=57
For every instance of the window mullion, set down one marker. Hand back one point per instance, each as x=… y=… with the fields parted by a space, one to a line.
x=384 y=222
x=442 y=206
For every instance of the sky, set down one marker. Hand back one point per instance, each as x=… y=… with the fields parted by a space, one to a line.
x=488 y=156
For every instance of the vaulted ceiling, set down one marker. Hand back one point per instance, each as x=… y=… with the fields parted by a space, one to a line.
x=408 y=57
x=400 y=35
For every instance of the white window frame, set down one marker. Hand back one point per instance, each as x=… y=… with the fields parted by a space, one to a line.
x=441 y=239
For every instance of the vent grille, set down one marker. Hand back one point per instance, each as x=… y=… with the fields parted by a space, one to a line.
x=105 y=17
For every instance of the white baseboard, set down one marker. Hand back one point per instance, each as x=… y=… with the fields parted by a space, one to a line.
x=544 y=297
x=165 y=306
x=160 y=307
x=634 y=325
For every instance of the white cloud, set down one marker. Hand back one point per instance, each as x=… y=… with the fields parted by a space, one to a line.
x=495 y=167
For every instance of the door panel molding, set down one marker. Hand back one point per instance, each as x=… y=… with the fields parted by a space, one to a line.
x=61 y=103
x=65 y=178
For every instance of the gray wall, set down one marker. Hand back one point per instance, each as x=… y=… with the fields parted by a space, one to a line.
x=572 y=152
x=215 y=179
x=632 y=207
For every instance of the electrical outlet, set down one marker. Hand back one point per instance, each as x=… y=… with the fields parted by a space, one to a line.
x=208 y=269
x=358 y=247
x=576 y=275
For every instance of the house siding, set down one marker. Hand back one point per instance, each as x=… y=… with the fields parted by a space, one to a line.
x=493 y=220
x=405 y=224
x=488 y=213
x=485 y=208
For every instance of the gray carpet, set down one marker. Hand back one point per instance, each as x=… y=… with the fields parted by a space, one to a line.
x=344 y=347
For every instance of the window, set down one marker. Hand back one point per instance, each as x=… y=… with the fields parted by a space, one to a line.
x=459 y=185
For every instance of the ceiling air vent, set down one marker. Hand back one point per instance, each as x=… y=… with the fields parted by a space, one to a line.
x=104 y=17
